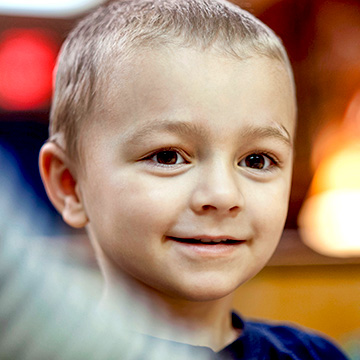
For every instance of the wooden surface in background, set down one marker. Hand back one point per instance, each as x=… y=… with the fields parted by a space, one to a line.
x=322 y=297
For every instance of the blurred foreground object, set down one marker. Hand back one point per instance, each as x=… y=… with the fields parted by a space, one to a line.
x=46 y=8
x=329 y=219
x=48 y=302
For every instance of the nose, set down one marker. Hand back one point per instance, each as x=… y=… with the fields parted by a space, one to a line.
x=217 y=190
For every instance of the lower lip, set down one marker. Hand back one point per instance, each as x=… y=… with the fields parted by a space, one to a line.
x=221 y=249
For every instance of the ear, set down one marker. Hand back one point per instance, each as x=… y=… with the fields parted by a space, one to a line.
x=61 y=186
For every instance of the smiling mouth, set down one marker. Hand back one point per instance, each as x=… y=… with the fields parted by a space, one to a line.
x=206 y=241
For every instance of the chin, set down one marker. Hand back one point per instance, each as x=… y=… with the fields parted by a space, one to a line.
x=204 y=292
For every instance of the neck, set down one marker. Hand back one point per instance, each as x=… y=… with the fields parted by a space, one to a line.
x=201 y=323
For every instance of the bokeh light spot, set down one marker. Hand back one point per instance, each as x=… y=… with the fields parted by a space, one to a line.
x=27 y=59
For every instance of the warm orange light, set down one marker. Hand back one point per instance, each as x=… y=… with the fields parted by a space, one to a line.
x=341 y=170
x=329 y=221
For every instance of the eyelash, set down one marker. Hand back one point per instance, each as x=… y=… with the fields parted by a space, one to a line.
x=169 y=149
x=273 y=161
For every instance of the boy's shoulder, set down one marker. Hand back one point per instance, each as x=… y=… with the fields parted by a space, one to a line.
x=258 y=341
x=266 y=340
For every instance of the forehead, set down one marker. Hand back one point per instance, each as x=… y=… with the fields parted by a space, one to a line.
x=188 y=85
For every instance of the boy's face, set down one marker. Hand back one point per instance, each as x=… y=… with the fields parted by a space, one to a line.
x=190 y=148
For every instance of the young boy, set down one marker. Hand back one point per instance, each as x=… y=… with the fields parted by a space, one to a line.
x=172 y=131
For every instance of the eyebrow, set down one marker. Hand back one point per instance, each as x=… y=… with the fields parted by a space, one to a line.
x=188 y=129
x=176 y=127
x=277 y=131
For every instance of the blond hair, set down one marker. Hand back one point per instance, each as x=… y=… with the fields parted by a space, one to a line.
x=113 y=32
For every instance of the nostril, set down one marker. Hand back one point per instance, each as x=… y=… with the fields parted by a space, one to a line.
x=234 y=208
x=207 y=207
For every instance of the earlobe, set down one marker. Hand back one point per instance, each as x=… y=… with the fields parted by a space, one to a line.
x=61 y=186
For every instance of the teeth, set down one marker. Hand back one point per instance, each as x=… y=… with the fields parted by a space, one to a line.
x=212 y=240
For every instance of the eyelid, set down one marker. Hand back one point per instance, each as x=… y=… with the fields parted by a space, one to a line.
x=155 y=152
x=273 y=159
x=270 y=156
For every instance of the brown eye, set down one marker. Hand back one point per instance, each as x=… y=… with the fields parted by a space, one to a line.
x=168 y=157
x=256 y=161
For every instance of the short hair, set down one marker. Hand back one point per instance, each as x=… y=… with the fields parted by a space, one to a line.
x=113 y=32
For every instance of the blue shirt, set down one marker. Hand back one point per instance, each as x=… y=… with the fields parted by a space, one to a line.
x=258 y=341
x=279 y=342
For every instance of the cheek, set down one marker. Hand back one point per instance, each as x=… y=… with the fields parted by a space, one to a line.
x=269 y=207
x=138 y=204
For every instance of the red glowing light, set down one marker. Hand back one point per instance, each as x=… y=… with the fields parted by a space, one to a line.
x=27 y=59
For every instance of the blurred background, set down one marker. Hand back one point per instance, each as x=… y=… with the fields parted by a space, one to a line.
x=314 y=276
